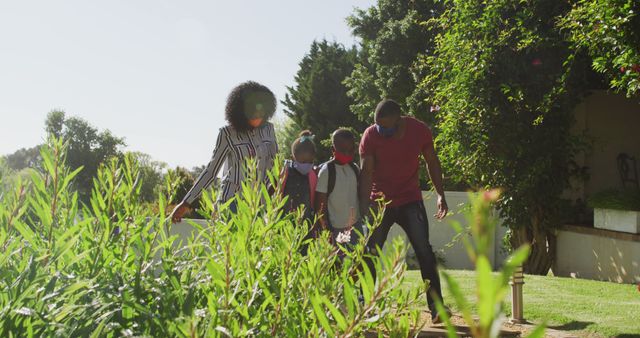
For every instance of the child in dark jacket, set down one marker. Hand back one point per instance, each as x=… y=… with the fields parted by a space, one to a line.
x=299 y=177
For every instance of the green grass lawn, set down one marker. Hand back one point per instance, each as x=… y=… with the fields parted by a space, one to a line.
x=582 y=307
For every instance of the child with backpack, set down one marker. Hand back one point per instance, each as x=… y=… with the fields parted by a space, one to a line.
x=299 y=178
x=336 y=201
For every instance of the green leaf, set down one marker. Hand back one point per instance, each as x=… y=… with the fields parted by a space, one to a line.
x=316 y=302
x=451 y=329
x=538 y=332
x=518 y=257
x=486 y=290
x=48 y=161
x=26 y=232
x=70 y=177
x=66 y=246
x=350 y=297
x=460 y=299
x=337 y=315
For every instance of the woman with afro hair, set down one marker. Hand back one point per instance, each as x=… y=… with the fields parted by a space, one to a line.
x=248 y=133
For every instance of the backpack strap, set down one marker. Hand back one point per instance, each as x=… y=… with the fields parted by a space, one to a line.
x=331 y=166
x=355 y=168
x=284 y=175
x=356 y=171
x=312 y=176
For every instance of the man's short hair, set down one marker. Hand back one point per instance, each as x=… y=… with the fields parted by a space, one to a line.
x=387 y=108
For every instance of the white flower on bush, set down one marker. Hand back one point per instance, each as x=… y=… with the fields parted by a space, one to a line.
x=25 y=311
x=344 y=237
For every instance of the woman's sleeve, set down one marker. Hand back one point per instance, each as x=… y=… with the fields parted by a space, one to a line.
x=211 y=171
x=275 y=138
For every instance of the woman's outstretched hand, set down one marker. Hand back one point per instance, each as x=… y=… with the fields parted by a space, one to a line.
x=179 y=211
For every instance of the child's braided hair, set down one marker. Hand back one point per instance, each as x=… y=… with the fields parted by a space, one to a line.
x=304 y=143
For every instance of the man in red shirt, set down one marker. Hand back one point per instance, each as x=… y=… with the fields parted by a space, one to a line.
x=390 y=151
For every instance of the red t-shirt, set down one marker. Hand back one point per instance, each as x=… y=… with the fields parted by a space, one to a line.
x=396 y=161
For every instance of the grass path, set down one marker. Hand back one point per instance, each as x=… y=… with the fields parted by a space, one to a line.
x=579 y=306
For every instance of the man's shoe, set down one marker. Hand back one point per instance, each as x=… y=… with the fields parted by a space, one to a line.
x=436 y=317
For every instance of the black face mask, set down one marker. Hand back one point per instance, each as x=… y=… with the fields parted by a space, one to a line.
x=386 y=132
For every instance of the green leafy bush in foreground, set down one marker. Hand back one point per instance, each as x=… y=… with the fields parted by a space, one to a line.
x=111 y=268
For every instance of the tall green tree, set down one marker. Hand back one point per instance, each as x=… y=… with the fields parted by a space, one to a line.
x=5 y=171
x=395 y=36
x=87 y=147
x=508 y=80
x=609 y=31
x=318 y=101
x=151 y=175
x=287 y=131
x=23 y=158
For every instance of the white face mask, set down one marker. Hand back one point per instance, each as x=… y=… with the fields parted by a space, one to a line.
x=303 y=168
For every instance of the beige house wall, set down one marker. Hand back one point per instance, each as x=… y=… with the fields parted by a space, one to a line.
x=598 y=254
x=612 y=122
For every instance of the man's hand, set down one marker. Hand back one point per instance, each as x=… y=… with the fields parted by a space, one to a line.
x=179 y=211
x=435 y=174
x=443 y=208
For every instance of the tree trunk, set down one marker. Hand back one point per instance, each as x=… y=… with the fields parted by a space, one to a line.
x=543 y=246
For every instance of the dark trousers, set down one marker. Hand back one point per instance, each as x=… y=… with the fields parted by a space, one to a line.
x=412 y=217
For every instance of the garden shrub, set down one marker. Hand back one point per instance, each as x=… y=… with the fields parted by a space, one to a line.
x=73 y=269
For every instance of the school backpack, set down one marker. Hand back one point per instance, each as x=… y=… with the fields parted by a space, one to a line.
x=331 y=166
x=312 y=176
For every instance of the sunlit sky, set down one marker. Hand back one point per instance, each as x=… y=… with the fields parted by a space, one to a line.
x=155 y=72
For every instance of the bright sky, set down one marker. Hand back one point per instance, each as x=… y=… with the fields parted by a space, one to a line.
x=156 y=72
